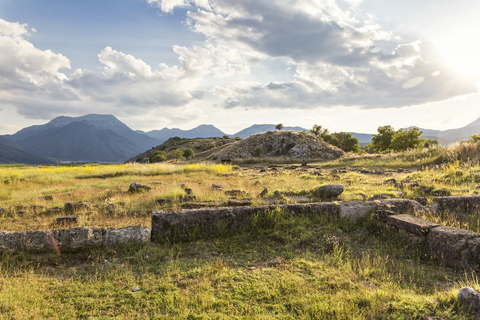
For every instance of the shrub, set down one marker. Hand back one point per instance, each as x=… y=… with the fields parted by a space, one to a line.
x=188 y=153
x=158 y=156
x=178 y=154
x=258 y=151
x=279 y=127
x=238 y=138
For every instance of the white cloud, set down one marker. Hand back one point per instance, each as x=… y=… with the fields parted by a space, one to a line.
x=336 y=51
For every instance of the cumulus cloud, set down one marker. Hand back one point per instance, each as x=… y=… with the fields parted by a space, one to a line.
x=336 y=51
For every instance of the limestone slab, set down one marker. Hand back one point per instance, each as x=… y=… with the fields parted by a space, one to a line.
x=411 y=224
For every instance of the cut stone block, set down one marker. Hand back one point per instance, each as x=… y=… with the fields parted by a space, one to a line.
x=133 y=234
x=67 y=219
x=195 y=205
x=465 y=204
x=411 y=224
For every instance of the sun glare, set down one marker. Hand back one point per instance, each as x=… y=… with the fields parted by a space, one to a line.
x=463 y=54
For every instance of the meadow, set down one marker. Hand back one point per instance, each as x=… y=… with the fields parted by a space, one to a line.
x=283 y=267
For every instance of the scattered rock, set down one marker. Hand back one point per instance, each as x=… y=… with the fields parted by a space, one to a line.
x=364 y=171
x=56 y=209
x=135 y=289
x=426 y=190
x=407 y=179
x=422 y=200
x=398 y=185
x=73 y=205
x=440 y=193
x=138 y=187
x=263 y=193
x=189 y=197
x=380 y=197
x=470 y=297
x=399 y=194
x=67 y=219
x=21 y=213
x=188 y=191
x=214 y=253
x=239 y=202
x=111 y=207
x=330 y=191
x=262 y=170
x=217 y=187
x=235 y=193
x=390 y=181
x=36 y=208
x=413 y=185
x=3 y=210
x=48 y=198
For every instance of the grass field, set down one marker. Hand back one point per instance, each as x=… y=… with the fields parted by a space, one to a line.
x=284 y=267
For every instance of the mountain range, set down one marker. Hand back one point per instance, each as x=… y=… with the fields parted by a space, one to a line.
x=104 y=138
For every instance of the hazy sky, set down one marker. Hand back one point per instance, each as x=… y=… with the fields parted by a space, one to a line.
x=348 y=65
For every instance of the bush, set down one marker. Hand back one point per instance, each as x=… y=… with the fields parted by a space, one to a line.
x=238 y=138
x=188 y=153
x=258 y=151
x=158 y=156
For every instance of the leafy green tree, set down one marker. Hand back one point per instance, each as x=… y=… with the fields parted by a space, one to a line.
x=257 y=151
x=383 y=140
x=226 y=137
x=178 y=154
x=474 y=139
x=345 y=141
x=238 y=138
x=279 y=127
x=404 y=139
x=188 y=153
x=426 y=143
x=158 y=156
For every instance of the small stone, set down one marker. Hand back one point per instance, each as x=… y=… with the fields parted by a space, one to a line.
x=137 y=187
x=422 y=200
x=217 y=187
x=188 y=191
x=440 y=193
x=3 y=210
x=67 y=219
x=21 y=213
x=330 y=191
x=135 y=289
x=470 y=297
x=48 y=198
x=263 y=193
x=215 y=253
x=252 y=268
x=427 y=190
x=390 y=181
x=235 y=192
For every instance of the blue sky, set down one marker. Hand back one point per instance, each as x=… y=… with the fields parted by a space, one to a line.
x=348 y=65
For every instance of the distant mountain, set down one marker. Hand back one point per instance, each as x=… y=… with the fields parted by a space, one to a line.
x=10 y=154
x=259 y=128
x=99 y=121
x=80 y=141
x=446 y=137
x=202 y=131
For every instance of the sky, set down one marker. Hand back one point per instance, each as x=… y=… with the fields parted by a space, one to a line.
x=347 y=65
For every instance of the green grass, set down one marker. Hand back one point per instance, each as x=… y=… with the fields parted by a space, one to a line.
x=283 y=268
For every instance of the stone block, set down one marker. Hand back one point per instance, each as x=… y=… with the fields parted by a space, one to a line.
x=455 y=247
x=464 y=204
x=74 y=239
x=68 y=219
x=382 y=215
x=133 y=234
x=411 y=224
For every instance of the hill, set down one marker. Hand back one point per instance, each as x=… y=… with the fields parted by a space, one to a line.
x=259 y=128
x=203 y=147
x=10 y=154
x=80 y=141
x=202 y=131
x=292 y=144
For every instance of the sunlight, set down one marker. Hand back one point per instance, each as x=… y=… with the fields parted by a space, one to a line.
x=463 y=53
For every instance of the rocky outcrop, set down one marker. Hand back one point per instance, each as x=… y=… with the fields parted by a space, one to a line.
x=292 y=144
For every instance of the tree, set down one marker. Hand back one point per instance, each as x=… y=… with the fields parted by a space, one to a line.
x=404 y=139
x=257 y=151
x=238 y=138
x=226 y=137
x=474 y=139
x=178 y=154
x=188 y=153
x=345 y=141
x=279 y=127
x=158 y=156
x=321 y=133
x=427 y=143
x=383 y=140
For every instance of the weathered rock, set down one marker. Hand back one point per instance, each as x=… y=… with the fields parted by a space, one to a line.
x=440 y=193
x=357 y=209
x=330 y=191
x=3 y=210
x=134 y=186
x=133 y=234
x=189 y=197
x=67 y=219
x=413 y=185
x=196 y=205
x=217 y=187
x=135 y=289
x=22 y=213
x=380 y=197
x=48 y=198
x=73 y=205
x=263 y=193
x=470 y=297
x=427 y=190
x=411 y=224
x=208 y=221
x=466 y=204
x=293 y=144
x=382 y=215
x=188 y=191
x=239 y=202
x=235 y=193
x=390 y=181
x=422 y=200
x=455 y=247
